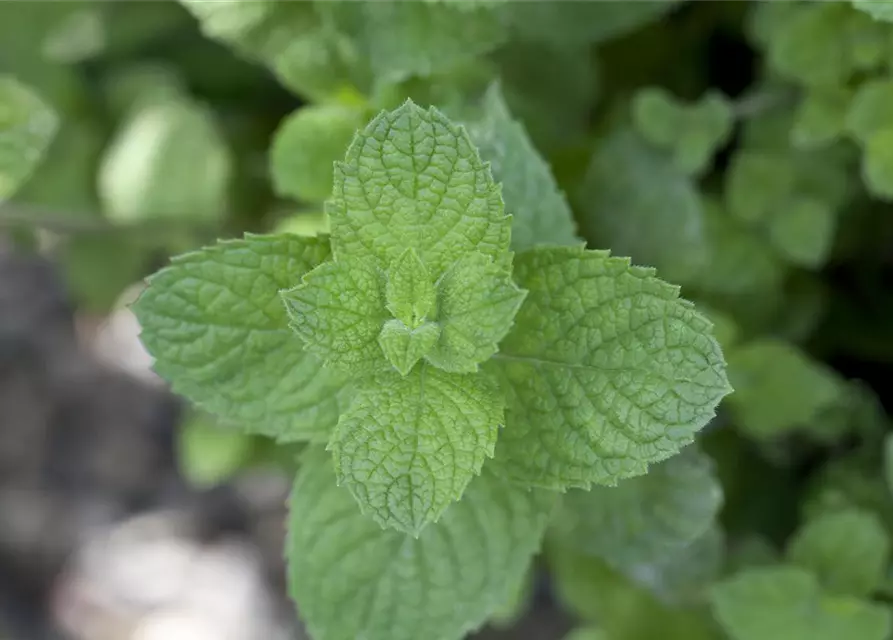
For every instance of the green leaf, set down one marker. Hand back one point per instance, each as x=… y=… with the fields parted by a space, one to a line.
x=540 y=212
x=758 y=182
x=692 y=132
x=289 y=37
x=405 y=39
x=338 y=311
x=168 y=161
x=352 y=579
x=306 y=147
x=408 y=445
x=477 y=302
x=810 y=47
x=27 y=126
x=567 y=23
x=786 y=603
x=215 y=324
x=210 y=454
x=847 y=550
x=871 y=109
x=877 y=9
x=412 y=178
x=409 y=291
x=802 y=231
x=403 y=347
x=595 y=593
x=606 y=371
x=888 y=462
x=740 y=262
x=877 y=164
x=645 y=519
x=778 y=388
x=634 y=200
x=821 y=117
x=587 y=633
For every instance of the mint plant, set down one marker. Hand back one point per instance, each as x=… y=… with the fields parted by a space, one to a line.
x=458 y=386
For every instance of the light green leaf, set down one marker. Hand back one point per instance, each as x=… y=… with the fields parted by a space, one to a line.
x=810 y=47
x=646 y=519
x=540 y=212
x=338 y=311
x=587 y=633
x=877 y=9
x=215 y=324
x=758 y=182
x=403 y=347
x=27 y=126
x=606 y=371
x=567 y=23
x=289 y=37
x=409 y=291
x=778 y=388
x=786 y=603
x=821 y=117
x=871 y=109
x=405 y=39
x=351 y=579
x=306 y=147
x=740 y=262
x=168 y=161
x=412 y=178
x=803 y=229
x=877 y=164
x=846 y=550
x=692 y=132
x=407 y=446
x=634 y=200
x=477 y=302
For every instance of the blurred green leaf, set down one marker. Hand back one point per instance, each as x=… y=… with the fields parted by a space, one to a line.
x=27 y=126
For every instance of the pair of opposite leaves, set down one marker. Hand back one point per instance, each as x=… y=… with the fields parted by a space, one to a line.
x=418 y=309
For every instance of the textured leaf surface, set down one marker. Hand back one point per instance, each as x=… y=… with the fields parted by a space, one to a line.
x=27 y=125
x=606 y=371
x=778 y=388
x=352 y=579
x=847 y=550
x=646 y=519
x=786 y=603
x=219 y=332
x=634 y=200
x=540 y=212
x=566 y=22
x=412 y=178
x=477 y=302
x=306 y=147
x=408 y=446
x=410 y=291
x=338 y=310
x=168 y=161
x=403 y=347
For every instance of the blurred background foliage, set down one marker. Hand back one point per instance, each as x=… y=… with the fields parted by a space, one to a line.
x=744 y=149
